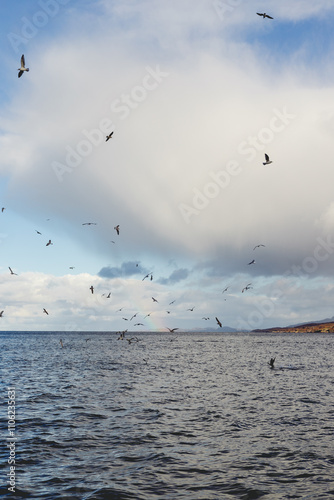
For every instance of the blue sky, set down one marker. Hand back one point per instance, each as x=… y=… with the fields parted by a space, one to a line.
x=195 y=95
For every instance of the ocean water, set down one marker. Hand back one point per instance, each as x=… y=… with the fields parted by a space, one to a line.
x=173 y=416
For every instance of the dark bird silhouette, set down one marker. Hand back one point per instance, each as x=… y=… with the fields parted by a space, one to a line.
x=225 y=290
x=247 y=287
x=268 y=161
x=72 y=267
x=37 y=231
x=138 y=324
x=109 y=295
x=133 y=316
x=171 y=302
x=89 y=224
x=218 y=322
x=252 y=262
x=117 y=229
x=191 y=309
x=172 y=330
x=45 y=311
x=154 y=300
x=147 y=276
x=109 y=136
x=271 y=362
x=91 y=288
x=264 y=15
x=3 y=208
x=257 y=246
x=11 y=271
x=1 y=314
x=49 y=243
x=206 y=318
x=23 y=68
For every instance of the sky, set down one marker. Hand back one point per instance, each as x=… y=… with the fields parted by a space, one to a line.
x=195 y=94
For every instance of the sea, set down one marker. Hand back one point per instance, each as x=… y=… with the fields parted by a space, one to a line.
x=174 y=416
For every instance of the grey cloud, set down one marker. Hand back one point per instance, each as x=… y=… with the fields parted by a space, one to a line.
x=126 y=269
x=175 y=277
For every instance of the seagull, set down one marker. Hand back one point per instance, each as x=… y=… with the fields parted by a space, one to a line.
x=109 y=295
x=147 y=276
x=37 y=231
x=133 y=339
x=154 y=300
x=45 y=311
x=225 y=289
x=121 y=337
x=109 y=136
x=247 y=287
x=191 y=309
x=218 y=322
x=49 y=243
x=72 y=267
x=251 y=262
x=133 y=316
x=1 y=313
x=271 y=362
x=206 y=318
x=3 y=208
x=89 y=224
x=267 y=162
x=117 y=228
x=138 y=324
x=11 y=271
x=149 y=314
x=264 y=15
x=23 y=68
x=171 y=302
x=91 y=288
x=257 y=246
x=172 y=330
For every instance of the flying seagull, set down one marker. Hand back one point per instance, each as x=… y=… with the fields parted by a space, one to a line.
x=45 y=311
x=49 y=243
x=154 y=300
x=257 y=246
x=218 y=322
x=3 y=208
x=264 y=15
x=147 y=276
x=1 y=313
x=225 y=290
x=109 y=136
x=91 y=288
x=37 y=231
x=11 y=271
x=89 y=224
x=191 y=309
x=117 y=228
x=247 y=287
x=251 y=262
x=267 y=162
x=23 y=68
x=172 y=330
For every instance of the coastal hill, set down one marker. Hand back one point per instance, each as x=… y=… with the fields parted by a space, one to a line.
x=323 y=326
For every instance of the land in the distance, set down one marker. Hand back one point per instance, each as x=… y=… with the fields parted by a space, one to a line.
x=315 y=327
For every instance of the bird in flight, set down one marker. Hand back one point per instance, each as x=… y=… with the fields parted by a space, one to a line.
x=154 y=300
x=206 y=318
x=268 y=161
x=218 y=322
x=45 y=311
x=171 y=329
x=72 y=267
x=1 y=313
x=89 y=224
x=225 y=290
x=247 y=287
x=49 y=243
x=191 y=309
x=3 y=208
x=117 y=228
x=251 y=262
x=11 y=271
x=91 y=288
x=257 y=246
x=37 y=231
x=23 y=68
x=264 y=15
x=109 y=136
x=147 y=276
x=138 y=324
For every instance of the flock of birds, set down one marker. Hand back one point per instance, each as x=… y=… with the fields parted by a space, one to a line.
x=149 y=275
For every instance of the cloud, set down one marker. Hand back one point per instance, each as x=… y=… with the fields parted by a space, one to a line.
x=175 y=277
x=126 y=269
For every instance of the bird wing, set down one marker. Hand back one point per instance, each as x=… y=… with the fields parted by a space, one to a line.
x=269 y=17
x=258 y=13
x=266 y=156
x=20 y=74
x=23 y=61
